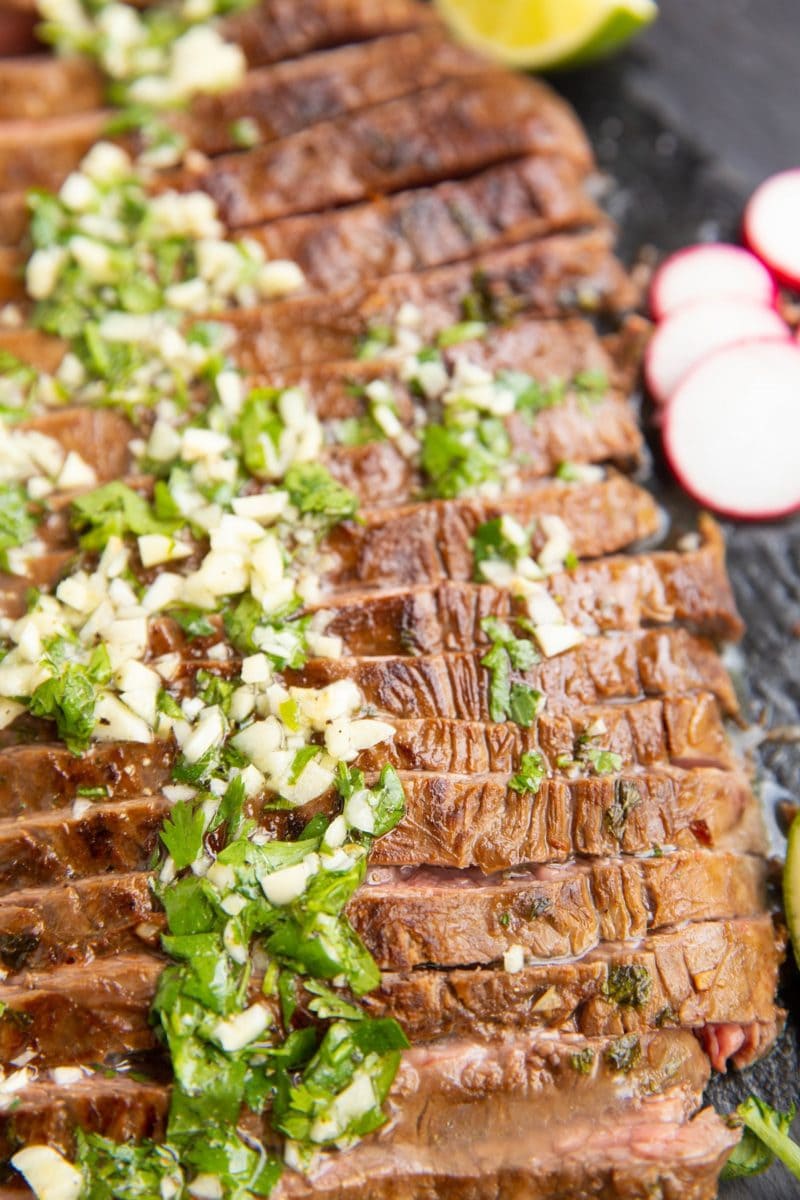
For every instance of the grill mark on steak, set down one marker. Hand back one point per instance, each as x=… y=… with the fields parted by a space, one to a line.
x=612 y=667
x=281 y=99
x=426 y=227
x=721 y=972
x=428 y=915
x=451 y=821
x=453 y=1086
x=452 y=129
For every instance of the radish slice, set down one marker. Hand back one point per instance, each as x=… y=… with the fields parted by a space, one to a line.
x=772 y=225
x=689 y=335
x=709 y=270
x=732 y=430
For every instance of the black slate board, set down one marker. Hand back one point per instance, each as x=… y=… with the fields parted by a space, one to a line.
x=686 y=122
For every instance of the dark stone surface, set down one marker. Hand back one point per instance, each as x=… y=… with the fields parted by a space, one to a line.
x=686 y=122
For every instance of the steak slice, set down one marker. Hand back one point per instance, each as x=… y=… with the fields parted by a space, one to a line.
x=649 y=1151
x=546 y=277
x=686 y=731
x=452 y=129
x=415 y=230
x=428 y=543
x=716 y=974
x=612 y=667
x=415 y=916
x=451 y=821
x=296 y=94
x=41 y=778
x=624 y=592
x=281 y=99
x=456 y=1084
x=38 y=87
x=36 y=153
x=275 y=30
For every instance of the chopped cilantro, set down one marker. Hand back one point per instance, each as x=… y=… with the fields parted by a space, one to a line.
x=583 y=1061
x=628 y=984
x=375 y=342
x=463 y=331
x=17 y=526
x=193 y=621
x=70 y=698
x=514 y=700
x=624 y=1053
x=313 y=490
x=115 y=510
x=532 y=771
x=456 y=460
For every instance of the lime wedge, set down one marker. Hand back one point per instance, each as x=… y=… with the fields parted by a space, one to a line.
x=791 y=885
x=546 y=33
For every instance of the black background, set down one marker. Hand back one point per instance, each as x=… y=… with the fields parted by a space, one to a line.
x=687 y=121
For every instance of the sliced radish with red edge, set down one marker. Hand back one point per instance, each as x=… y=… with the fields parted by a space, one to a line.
x=686 y=337
x=772 y=225
x=732 y=430
x=709 y=270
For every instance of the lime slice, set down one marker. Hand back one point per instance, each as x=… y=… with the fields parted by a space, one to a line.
x=791 y=885
x=546 y=33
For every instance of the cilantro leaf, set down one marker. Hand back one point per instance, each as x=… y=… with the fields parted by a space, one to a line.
x=182 y=833
x=70 y=699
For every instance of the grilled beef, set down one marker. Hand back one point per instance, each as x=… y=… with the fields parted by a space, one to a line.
x=568 y=958
x=624 y=666
x=411 y=917
x=454 y=128
x=720 y=973
x=454 y=1085
x=280 y=99
x=451 y=821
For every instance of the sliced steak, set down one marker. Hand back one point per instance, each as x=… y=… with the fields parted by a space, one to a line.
x=279 y=29
x=626 y=592
x=410 y=917
x=684 y=731
x=715 y=974
x=613 y=667
x=543 y=348
x=34 y=88
x=296 y=94
x=451 y=821
x=548 y=277
x=413 y=917
x=650 y=1151
x=414 y=230
x=40 y=778
x=74 y=924
x=36 y=153
x=428 y=543
x=281 y=99
x=454 y=128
